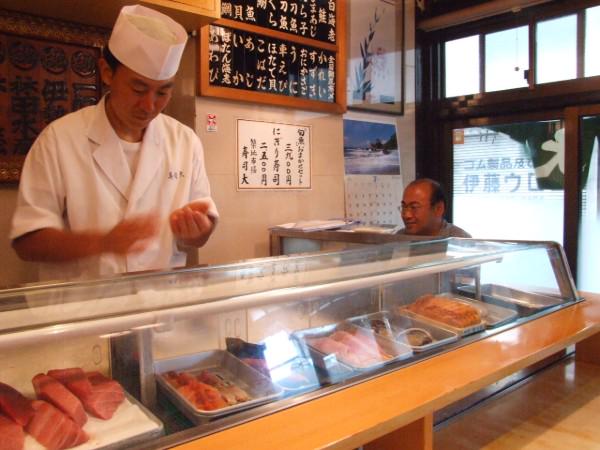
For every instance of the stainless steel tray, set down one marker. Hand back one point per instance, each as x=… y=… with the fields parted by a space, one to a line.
x=127 y=428
x=493 y=315
x=139 y=438
x=402 y=310
x=225 y=365
x=395 y=350
x=399 y=327
x=295 y=376
x=530 y=300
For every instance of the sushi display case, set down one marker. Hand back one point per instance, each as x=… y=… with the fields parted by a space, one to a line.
x=195 y=351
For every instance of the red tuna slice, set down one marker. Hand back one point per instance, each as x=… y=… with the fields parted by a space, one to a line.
x=15 y=405
x=47 y=388
x=74 y=379
x=105 y=398
x=12 y=436
x=53 y=429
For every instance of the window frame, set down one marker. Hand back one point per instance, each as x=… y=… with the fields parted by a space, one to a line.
x=530 y=18
x=437 y=116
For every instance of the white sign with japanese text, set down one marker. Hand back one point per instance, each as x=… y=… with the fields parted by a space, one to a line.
x=273 y=155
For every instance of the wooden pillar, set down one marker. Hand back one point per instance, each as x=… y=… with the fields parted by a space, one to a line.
x=588 y=350
x=417 y=435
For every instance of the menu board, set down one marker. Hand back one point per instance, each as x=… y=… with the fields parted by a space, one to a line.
x=244 y=60
x=314 y=19
x=279 y=52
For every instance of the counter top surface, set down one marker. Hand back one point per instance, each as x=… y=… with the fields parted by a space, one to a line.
x=379 y=406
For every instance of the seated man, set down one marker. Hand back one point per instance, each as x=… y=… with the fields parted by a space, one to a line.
x=423 y=208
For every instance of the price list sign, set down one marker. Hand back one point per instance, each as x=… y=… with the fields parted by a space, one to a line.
x=248 y=61
x=273 y=155
x=314 y=19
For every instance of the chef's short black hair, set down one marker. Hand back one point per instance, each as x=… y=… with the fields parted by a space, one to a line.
x=111 y=59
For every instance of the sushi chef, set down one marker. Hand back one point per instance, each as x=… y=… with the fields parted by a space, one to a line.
x=423 y=208
x=118 y=187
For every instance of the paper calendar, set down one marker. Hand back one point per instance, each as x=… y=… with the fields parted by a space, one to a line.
x=374 y=199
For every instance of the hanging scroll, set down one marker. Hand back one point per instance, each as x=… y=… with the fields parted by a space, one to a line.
x=291 y=55
x=47 y=69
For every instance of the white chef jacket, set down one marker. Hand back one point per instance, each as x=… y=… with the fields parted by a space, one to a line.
x=76 y=177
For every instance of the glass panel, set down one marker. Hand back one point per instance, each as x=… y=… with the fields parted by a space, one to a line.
x=589 y=228
x=506 y=59
x=218 y=346
x=508 y=180
x=462 y=66
x=556 y=49
x=592 y=41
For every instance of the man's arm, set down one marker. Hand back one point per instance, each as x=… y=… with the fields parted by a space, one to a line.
x=54 y=245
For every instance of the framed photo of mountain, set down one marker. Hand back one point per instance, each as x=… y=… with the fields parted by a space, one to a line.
x=375 y=73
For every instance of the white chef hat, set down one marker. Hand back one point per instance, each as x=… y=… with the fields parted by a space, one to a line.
x=148 y=42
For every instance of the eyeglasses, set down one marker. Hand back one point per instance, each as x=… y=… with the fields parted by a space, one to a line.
x=412 y=207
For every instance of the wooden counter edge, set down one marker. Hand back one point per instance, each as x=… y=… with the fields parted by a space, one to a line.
x=399 y=405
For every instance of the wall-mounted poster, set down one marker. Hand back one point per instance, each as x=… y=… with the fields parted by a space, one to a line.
x=273 y=155
x=370 y=148
x=375 y=77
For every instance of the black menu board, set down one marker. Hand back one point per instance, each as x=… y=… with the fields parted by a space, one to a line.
x=244 y=60
x=314 y=19
x=278 y=52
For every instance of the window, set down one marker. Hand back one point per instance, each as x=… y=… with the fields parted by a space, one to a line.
x=508 y=180
x=589 y=225
x=462 y=66
x=506 y=55
x=556 y=49
x=592 y=41
x=506 y=59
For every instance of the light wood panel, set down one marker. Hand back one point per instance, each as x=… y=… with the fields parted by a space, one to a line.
x=556 y=410
x=373 y=409
x=104 y=13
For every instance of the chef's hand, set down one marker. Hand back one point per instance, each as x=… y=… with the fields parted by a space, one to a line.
x=131 y=235
x=192 y=225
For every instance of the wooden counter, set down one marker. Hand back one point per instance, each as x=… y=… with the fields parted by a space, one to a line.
x=395 y=410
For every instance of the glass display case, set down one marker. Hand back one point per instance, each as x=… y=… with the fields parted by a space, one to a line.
x=156 y=359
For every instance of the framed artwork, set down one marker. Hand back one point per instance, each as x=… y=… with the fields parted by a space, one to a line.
x=370 y=148
x=48 y=68
x=375 y=75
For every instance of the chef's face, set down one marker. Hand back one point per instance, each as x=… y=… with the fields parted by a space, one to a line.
x=134 y=100
x=419 y=215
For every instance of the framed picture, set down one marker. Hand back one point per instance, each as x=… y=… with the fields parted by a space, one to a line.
x=375 y=76
x=370 y=148
x=48 y=68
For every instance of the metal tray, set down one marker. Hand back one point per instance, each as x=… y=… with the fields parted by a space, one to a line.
x=396 y=327
x=224 y=364
x=402 y=310
x=141 y=437
x=328 y=362
x=492 y=315
x=124 y=430
x=506 y=295
x=295 y=376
